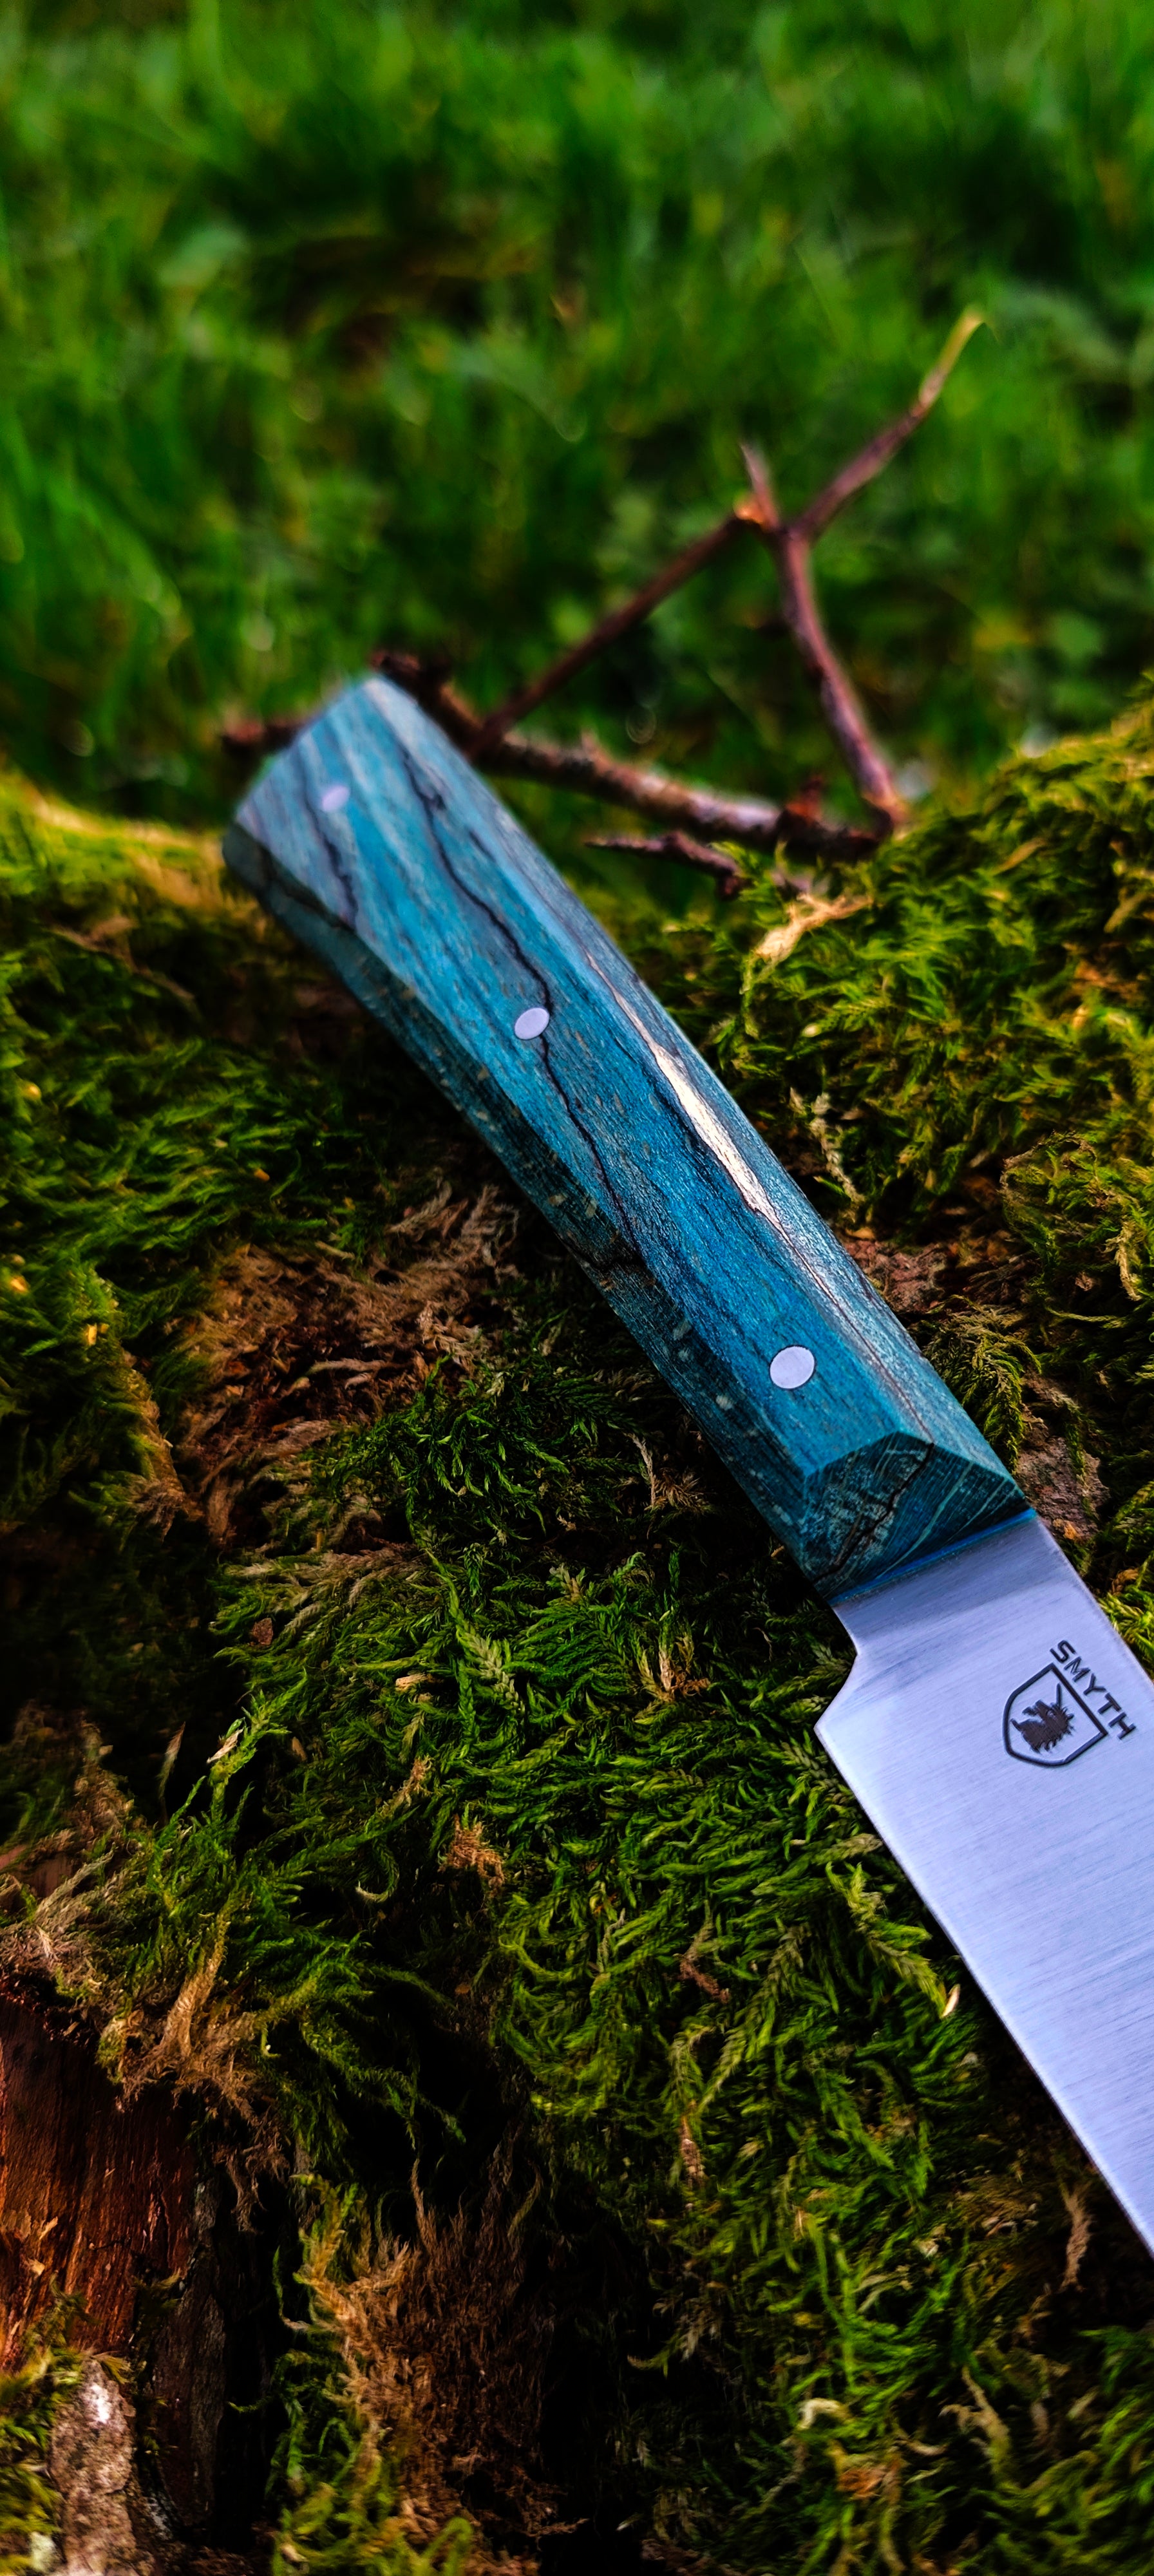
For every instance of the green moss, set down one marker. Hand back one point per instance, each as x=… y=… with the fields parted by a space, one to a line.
x=32 y=2389
x=468 y=1710
x=342 y=2500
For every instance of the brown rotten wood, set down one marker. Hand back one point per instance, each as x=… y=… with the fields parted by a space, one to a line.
x=160 y=2457
x=95 y=2195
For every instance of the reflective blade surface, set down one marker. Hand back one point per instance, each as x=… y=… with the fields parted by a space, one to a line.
x=1000 y=1737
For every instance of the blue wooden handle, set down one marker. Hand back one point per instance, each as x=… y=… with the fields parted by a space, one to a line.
x=378 y=845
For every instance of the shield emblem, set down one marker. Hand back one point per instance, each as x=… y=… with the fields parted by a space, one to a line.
x=1049 y=1723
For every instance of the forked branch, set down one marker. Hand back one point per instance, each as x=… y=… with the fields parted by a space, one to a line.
x=587 y=770
x=790 y=541
x=694 y=818
x=840 y=705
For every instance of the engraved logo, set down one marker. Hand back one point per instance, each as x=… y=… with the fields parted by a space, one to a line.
x=1048 y=1722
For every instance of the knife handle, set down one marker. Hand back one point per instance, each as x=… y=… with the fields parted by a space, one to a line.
x=375 y=842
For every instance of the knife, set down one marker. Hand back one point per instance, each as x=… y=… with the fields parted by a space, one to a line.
x=997 y=1731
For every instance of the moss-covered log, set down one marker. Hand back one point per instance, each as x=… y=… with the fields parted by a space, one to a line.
x=414 y=1817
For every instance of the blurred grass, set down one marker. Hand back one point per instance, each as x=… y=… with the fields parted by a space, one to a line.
x=329 y=323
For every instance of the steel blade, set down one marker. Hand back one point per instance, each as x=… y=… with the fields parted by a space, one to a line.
x=1000 y=1737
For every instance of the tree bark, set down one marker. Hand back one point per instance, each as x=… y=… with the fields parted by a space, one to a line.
x=111 y=2226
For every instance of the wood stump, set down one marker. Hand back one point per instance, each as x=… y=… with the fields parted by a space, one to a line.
x=112 y=2223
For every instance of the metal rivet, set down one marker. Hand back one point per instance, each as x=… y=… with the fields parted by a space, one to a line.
x=334 y=800
x=794 y=1366
x=532 y=1024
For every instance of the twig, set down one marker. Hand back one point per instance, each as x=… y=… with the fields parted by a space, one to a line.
x=429 y=684
x=606 y=632
x=790 y=542
x=590 y=771
x=749 y=820
x=585 y=769
x=867 y=765
x=251 y=737
x=677 y=845
x=810 y=523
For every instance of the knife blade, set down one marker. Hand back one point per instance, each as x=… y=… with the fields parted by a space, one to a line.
x=994 y=1727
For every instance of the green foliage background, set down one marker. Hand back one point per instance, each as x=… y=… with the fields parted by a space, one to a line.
x=321 y=324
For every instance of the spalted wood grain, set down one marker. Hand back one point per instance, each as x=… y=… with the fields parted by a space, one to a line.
x=375 y=842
